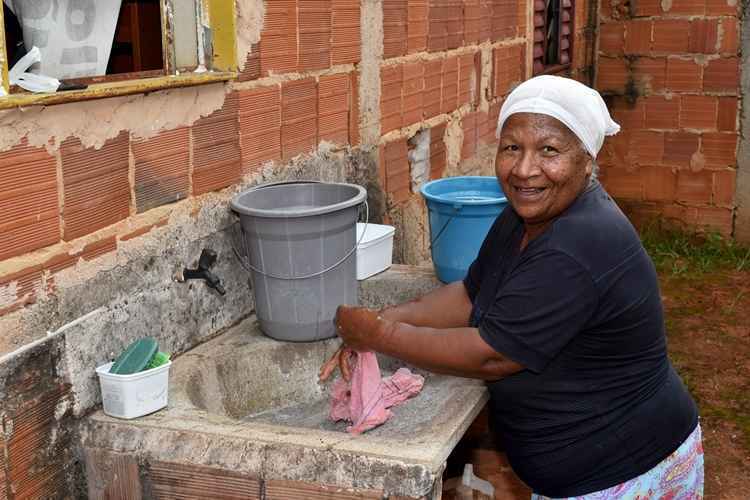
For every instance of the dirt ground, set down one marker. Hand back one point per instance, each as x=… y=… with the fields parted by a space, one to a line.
x=708 y=325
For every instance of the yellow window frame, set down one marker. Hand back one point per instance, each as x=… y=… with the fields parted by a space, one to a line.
x=218 y=16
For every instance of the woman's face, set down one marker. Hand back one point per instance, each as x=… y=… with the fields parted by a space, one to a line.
x=541 y=165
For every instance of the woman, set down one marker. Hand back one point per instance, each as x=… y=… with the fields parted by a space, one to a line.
x=561 y=315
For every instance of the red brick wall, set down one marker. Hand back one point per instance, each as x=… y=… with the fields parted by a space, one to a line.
x=672 y=81
x=299 y=86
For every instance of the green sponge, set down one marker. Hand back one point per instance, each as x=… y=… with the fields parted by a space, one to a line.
x=160 y=358
x=135 y=358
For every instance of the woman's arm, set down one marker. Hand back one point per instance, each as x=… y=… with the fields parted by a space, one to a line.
x=454 y=351
x=445 y=307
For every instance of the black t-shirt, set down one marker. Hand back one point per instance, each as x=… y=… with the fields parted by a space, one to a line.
x=598 y=402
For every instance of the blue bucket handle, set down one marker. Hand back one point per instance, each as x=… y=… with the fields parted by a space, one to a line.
x=456 y=208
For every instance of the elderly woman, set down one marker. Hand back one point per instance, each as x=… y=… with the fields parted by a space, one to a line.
x=561 y=315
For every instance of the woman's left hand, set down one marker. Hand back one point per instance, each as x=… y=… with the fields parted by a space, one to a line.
x=358 y=327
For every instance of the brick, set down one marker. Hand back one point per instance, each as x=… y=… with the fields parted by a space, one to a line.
x=686 y=7
x=99 y=248
x=638 y=37
x=629 y=116
x=161 y=168
x=345 y=32
x=679 y=148
x=334 y=97
x=296 y=490
x=465 y=78
x=61 y=261
x=720 y=150
x=413 y=92
x=645 y=8
x=391 y=103
x=433 y=82
x=704 y=35
x=729 y=36
x=722 y=75
x=28 y=200
x=438 y=152
x=260 y=126
x=217 y=158
x=137 y=233
x=650 y=74
x=314 y=19
x=395 y=164
x=612 y=75
x=671 y=35
x=694 y=187
x=622 y=183
x=251 y=69
x=648 y=147
x=504 y=19
x=659 y=183
x=725 y=185
x=299 y=117
x=727 y=115
x=662 y=113
x=722 y=7
x=612 y=38
x=395 y=15
x=278 y=39
x=417 y=26
x=472 y=17
x=469 y=145
x=96 y=185
x=716 y=219
x=698 y=112
x=175 y=480
x=683 y=75
x=506 y=70
x=449 y=100
x=20 y=288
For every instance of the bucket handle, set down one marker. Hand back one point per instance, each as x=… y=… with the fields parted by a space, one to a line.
x=249 y=267
x=456 y=208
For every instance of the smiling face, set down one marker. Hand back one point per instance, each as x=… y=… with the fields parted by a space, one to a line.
x=542 y=167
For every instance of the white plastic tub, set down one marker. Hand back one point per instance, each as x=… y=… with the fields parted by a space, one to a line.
x=134 y=395
x=375 y=251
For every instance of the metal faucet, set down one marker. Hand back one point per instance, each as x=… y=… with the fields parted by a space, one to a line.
x=205 y=262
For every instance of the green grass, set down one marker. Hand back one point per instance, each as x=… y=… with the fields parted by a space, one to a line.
x=679 y=253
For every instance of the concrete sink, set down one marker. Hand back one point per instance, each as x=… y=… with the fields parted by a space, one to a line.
x=247 y=409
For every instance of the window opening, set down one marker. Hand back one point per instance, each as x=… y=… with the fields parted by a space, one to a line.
x=553 y=28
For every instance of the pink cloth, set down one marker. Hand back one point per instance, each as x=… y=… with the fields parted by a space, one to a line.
x=364 y=401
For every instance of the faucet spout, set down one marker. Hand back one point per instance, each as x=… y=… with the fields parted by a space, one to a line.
x=202 y=272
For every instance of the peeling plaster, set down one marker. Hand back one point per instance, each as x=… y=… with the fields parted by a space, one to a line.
x=250 y=16
x=96 y=121
x=666 y=5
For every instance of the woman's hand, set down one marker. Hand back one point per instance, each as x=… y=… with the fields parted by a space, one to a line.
x=358 y=327
x=340 y=358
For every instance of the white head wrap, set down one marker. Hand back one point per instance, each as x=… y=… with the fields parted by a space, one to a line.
x=579 y=107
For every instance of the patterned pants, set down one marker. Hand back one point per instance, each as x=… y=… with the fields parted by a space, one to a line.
x=677 y=477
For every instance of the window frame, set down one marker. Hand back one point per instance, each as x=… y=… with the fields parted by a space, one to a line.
x=557 y=67
x=219 y=51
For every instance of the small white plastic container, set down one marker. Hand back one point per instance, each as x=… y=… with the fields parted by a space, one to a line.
x=375 y=251
x=134 y=395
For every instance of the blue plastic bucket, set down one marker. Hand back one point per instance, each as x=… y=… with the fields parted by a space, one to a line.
x=461 y=211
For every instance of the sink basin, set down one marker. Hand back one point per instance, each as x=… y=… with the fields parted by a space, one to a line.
x=247 y=411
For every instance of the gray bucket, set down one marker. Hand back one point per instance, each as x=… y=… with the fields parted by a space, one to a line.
x=300 y=239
